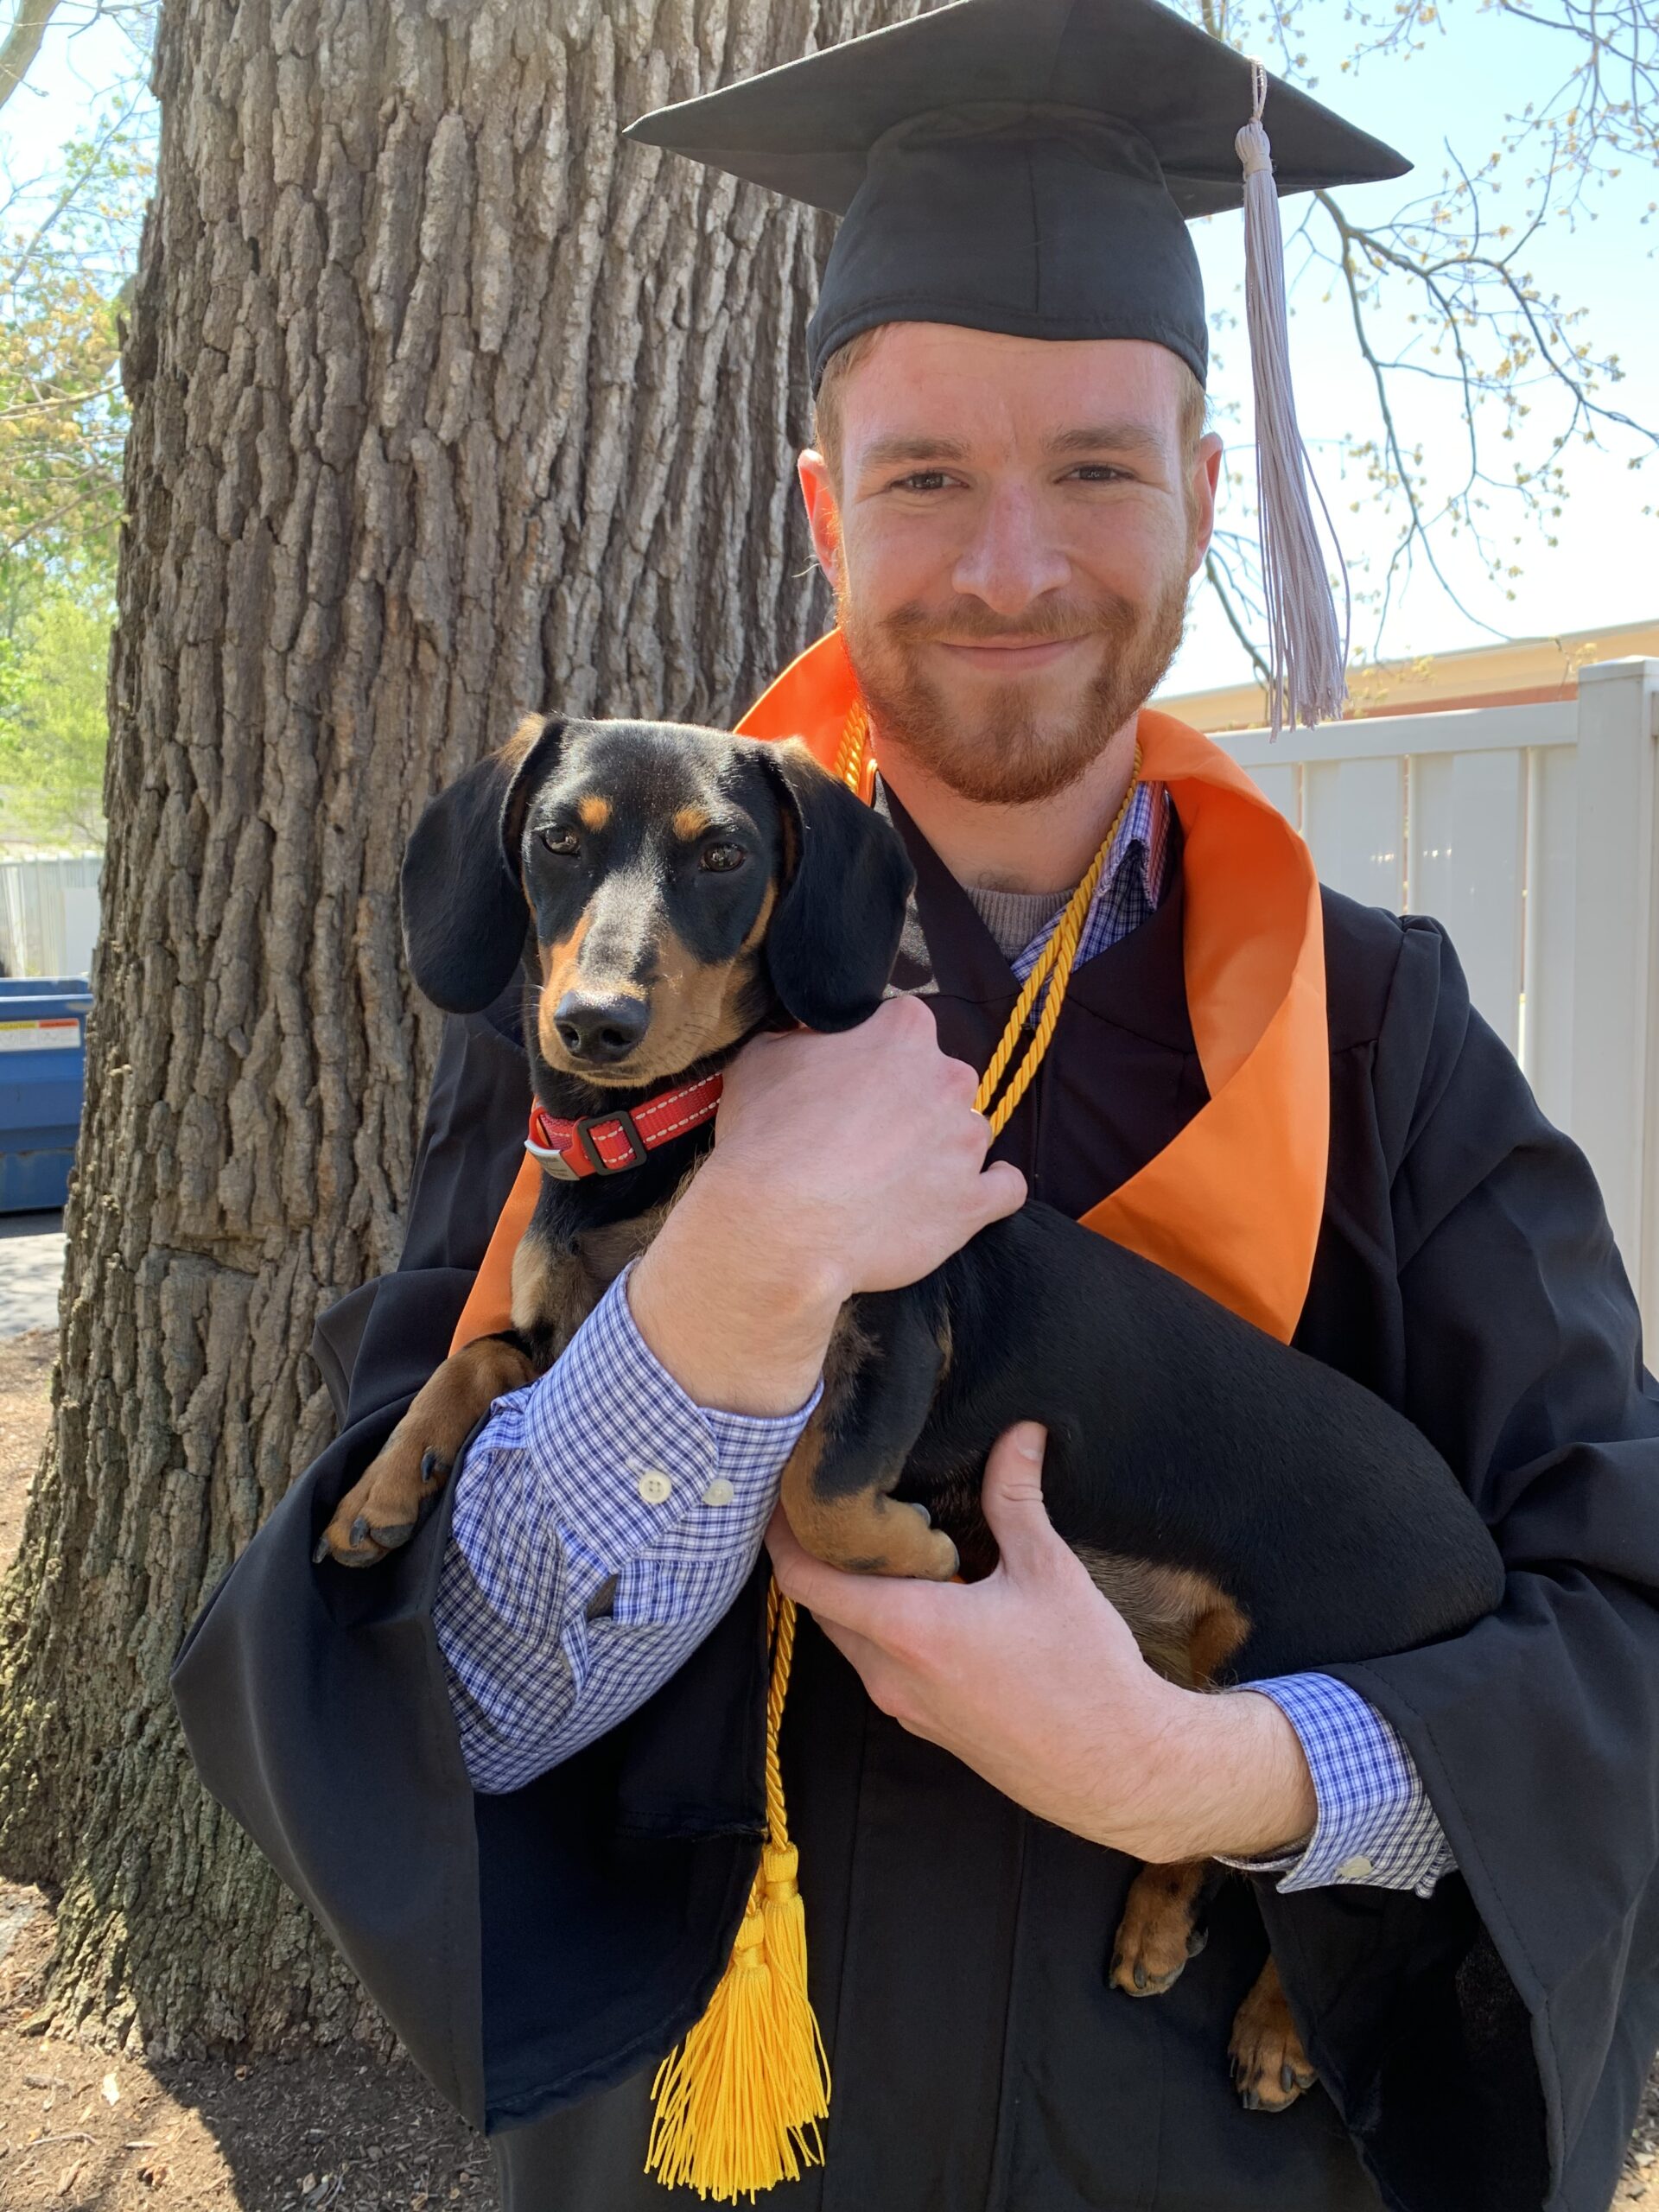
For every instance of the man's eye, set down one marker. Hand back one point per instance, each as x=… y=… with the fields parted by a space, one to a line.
x=925 y=479
x=1100 y=471
x=718 y=858
x=565 y=843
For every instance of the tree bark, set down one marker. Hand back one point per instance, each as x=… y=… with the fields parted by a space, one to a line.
x=445 y=405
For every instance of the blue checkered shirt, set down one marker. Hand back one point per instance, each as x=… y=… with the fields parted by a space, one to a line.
x=604 y=1522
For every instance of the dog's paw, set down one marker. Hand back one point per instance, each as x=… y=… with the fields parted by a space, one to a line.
x=1159 y=1932
x=1270 y=2068
x=383 y=1508
x=914 y=1547
x=869 y=1533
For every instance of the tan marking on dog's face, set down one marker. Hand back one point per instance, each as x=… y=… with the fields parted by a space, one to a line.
x=558 y=963
x=697 y=1008
x=593 y=811
x=559 y=960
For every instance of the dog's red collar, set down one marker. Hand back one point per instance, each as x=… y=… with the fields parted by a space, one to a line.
x=604 y=1144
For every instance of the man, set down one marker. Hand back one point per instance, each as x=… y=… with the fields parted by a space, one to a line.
x=1452 y=1850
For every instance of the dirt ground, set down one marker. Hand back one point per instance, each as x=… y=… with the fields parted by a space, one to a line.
x=80 y=2131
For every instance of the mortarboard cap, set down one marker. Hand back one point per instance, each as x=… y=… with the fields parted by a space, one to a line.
x=1030 y=167
x=1026 y=166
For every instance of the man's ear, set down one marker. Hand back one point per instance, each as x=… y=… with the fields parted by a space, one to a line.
x=1205 y=475
x=835 y=932
x=465 y=917
x=823 y=512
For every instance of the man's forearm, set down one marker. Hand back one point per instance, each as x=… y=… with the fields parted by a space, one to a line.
x=1224 y=1777
x=739 y=1316
x=602 y=1524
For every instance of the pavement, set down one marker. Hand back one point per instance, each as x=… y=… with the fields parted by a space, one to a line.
x=31 y=1269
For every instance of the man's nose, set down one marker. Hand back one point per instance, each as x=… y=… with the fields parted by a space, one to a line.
x=1009 y=563
x=597 y=1031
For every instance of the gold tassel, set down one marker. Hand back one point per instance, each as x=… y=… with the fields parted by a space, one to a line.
x=738 y=2102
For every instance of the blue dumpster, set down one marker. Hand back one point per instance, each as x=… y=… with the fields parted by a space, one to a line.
x=42 y=1073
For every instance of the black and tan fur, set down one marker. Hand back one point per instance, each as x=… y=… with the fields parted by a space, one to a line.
x=668 y=892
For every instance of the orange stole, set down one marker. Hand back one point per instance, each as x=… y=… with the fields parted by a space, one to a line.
x=1233 y=1203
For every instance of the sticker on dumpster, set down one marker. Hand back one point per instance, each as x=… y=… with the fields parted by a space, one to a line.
x=56 y=1032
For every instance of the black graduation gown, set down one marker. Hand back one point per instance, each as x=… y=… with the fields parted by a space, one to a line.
x=1482 y=2050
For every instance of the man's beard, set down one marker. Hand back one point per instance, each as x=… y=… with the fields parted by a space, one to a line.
x=1005 y=755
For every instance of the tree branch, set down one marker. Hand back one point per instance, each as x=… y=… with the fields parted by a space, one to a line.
x=1218 y=583
x=22 y=43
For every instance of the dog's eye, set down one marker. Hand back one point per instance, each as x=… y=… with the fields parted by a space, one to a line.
x=718 y=858
x=565 y=843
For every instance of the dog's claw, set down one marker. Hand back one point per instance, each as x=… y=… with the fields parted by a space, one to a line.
x=322 y=1552
x=1140 y=1976
x=434 y=1467
x=388 y=1539
x=1196 y=1941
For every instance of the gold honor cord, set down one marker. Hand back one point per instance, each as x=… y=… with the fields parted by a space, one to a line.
x=739 y=2101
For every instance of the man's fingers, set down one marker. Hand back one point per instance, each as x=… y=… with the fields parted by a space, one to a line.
x=1001 y=1190
x=1012 y=1496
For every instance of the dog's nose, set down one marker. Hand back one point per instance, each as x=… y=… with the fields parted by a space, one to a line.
x=599 y=1030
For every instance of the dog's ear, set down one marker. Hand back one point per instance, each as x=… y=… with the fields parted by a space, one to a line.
x=464 y=912
x=835 y=932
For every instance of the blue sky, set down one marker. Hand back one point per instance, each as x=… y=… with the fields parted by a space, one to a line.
x=1458 y=89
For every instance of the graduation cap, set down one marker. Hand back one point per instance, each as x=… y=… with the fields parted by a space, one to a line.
x=1030 y=166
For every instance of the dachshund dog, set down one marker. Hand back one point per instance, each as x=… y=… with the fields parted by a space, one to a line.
x=672 y=892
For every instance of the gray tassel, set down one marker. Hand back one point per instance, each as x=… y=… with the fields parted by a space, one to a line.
x=1309 y=654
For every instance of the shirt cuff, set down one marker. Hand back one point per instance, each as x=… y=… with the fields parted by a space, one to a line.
x=1375 y=1827
x=627 y=1458
x=603 y=1523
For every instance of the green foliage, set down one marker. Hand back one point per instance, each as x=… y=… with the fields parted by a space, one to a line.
x=64 y=279
x=1441 y=294
x=53 y=727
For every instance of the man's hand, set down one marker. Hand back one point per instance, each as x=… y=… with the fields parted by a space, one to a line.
x=840 y=1164
x=1034 y=1680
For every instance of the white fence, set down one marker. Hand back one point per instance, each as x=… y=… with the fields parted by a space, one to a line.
x=48 y=914
x=1533 y=833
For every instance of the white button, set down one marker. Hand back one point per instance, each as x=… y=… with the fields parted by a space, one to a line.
x=719 y=1492
x=654 y=1486
x=1354 y=1870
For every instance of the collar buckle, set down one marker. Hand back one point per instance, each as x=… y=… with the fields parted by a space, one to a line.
x=623 y=1122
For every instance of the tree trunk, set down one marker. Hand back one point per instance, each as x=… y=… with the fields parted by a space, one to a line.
x=447 y=405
